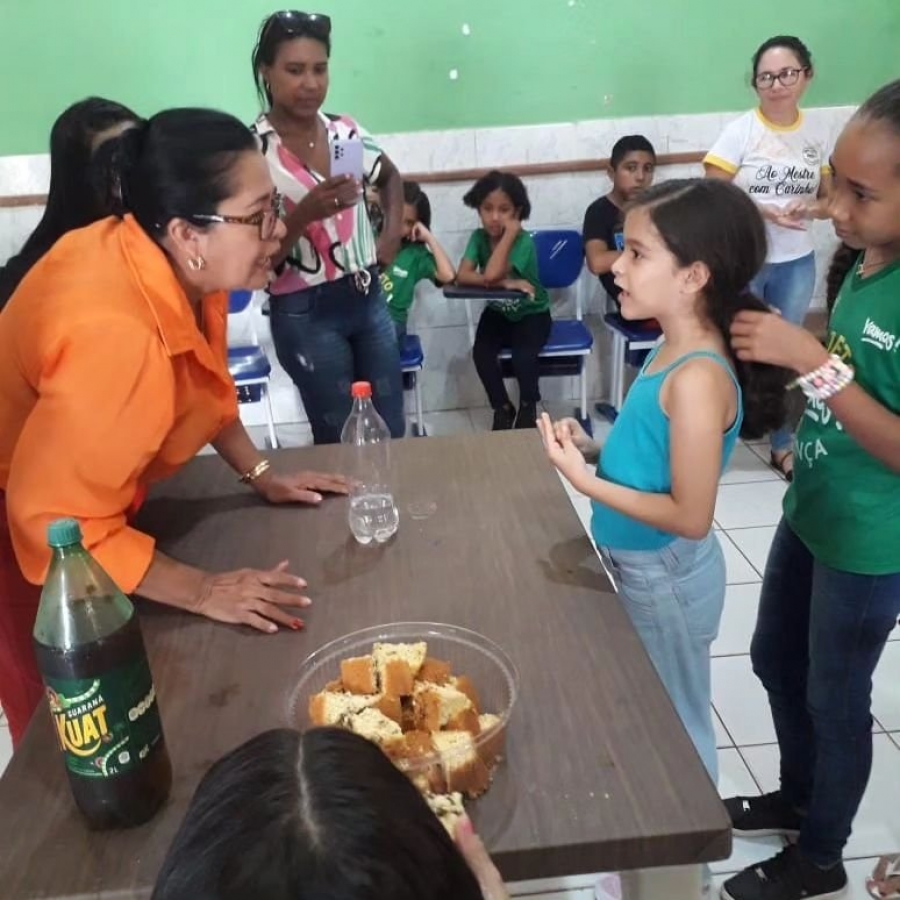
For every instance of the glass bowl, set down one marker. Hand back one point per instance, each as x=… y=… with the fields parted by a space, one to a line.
x=488 y=667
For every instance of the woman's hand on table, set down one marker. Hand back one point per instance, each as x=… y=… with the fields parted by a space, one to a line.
x=300 y=487
x=253 y=597
x=473 y=851
x=562 y=452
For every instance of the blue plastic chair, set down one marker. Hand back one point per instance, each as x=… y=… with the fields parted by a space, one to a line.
x=630 y=345
x=412 y=361
x=560 y=254
x=249 y=366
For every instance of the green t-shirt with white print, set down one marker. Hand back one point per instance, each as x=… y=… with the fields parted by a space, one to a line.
x=414 y=263
x=844 y=504
x=523 y=264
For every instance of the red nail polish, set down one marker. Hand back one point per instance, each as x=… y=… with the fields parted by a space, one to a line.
x=296 y=625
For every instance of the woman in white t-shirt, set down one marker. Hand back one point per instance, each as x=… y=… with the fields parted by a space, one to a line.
x=772 y=154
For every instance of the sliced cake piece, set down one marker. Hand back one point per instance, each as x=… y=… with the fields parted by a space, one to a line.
x=416 y=755
x=392 y=707
x=435 y=706
x=331 y=708
x=464 y=771
x=397 y=666
x=358 y=675
x=374 y=726
x=492 y=745
x=448 y=808
x=435 y=671
x=467 y=720
x=464 y=685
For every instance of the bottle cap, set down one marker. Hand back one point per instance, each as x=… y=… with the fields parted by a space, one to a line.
x=361 y=390
x=64 y=533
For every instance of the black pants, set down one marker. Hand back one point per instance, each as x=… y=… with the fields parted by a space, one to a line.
x=525 y=339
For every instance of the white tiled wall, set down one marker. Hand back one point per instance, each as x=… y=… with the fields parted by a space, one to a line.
x=558 y=202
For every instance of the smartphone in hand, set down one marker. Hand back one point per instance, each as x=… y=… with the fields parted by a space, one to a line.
x=347 y=158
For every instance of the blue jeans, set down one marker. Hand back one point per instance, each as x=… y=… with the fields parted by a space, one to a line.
x=329 y=336
x=675 y=598
x=400 y=331
x=818 y=639
x=788 y=286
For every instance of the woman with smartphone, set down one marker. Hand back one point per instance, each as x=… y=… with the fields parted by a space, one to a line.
x=330 y=322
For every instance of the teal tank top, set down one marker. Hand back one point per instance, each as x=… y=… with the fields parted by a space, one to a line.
x=637 y=455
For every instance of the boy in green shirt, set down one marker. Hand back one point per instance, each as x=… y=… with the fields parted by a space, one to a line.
x=420 y=257
x=501 y=255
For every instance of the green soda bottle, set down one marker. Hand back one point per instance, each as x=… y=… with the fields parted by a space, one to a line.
x=91 y=655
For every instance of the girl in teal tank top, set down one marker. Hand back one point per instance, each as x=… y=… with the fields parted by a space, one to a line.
x=691 y=249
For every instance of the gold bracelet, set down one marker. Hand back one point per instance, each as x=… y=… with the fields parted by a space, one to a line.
x=260 y=468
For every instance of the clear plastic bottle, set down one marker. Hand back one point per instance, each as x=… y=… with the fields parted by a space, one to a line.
x=373 y=514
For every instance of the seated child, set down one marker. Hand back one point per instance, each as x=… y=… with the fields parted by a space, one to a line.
x=631 y=168
x=420 y=257
x=501 y=255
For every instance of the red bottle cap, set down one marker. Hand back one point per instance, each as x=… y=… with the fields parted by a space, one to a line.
x=361 y=390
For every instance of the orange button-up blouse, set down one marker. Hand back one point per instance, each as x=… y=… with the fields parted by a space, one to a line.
x=107 y=384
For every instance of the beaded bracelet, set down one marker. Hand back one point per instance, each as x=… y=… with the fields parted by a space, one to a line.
x=826 y=381
x=249 y=477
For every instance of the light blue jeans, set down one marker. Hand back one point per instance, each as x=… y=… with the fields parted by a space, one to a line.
x=675 y=598
x=788 y=286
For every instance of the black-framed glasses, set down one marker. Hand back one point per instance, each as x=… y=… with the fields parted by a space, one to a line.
x=299 y=24
x=788 y=77
x=266 y=219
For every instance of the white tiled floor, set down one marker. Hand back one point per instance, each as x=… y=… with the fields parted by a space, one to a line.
x=747 y=511
x=754 y=543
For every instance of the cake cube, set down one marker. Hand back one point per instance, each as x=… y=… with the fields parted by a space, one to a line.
x=358 y=675
x=463 y=768
x=435 y=671
x=375 y=726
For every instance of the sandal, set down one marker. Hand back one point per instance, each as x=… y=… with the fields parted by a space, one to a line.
x=884 y=882
x=780 y=462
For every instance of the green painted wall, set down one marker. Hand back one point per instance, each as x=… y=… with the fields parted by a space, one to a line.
x=524 y=61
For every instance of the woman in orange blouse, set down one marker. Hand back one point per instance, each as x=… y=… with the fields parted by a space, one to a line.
x=113 y=375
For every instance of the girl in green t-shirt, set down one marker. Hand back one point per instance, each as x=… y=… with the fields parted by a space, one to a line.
x=421 y=258
x=831 y=593
x=500 y=255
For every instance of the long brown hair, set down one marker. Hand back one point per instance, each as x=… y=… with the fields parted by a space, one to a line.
x=716 y=223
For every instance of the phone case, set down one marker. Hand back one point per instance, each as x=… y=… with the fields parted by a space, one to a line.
x=347 y=158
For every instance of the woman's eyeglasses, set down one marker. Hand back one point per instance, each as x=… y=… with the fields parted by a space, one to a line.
x=788 y=77
x=265 y=220
x=299 y=24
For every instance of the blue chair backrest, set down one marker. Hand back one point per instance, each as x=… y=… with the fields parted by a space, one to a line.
x=560 y=254
x=238 y=301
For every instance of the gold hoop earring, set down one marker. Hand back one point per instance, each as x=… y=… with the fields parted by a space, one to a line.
x=196 y=263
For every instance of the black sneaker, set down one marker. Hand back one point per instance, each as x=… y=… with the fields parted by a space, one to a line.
x=763 y=816
x=787 y=876
x=504 y=416
x=527 y=416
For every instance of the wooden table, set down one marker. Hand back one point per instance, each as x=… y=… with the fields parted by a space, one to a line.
x=599 y=776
